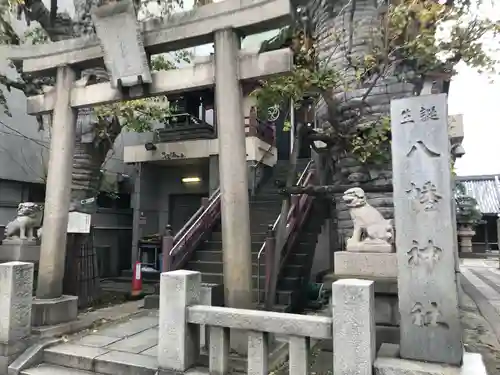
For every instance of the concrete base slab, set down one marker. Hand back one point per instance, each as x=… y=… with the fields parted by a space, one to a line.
x=389 y=363
x=17 y=250
x=366 y=264
x=46 y=312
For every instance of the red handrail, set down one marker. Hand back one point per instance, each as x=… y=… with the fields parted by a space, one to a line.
x=301 y=205
x=186 y=240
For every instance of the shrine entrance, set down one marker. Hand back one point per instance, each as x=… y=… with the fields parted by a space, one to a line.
x=125 y=46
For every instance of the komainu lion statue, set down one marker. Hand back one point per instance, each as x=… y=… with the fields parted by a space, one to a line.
x=372 y=233
x=29 y=216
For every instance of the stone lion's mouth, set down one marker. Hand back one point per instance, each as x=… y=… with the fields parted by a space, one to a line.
x=347 y=199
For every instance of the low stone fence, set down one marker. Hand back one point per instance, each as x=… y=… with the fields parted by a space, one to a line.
x=351 y=328
x=16 y=285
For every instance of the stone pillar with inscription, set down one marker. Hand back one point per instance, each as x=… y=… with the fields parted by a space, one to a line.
x=425 y=242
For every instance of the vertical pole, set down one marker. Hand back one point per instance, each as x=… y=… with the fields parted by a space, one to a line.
x=498 y=238
x=58 y=189
x=136 y=229
x=292 y=125
x=237 y=257
x=166 y=246
x=269 y=250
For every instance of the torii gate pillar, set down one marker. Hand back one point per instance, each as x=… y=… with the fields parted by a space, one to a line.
x=50 y=306
x=237 y=256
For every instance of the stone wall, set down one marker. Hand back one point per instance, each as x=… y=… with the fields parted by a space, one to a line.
x=332 y=33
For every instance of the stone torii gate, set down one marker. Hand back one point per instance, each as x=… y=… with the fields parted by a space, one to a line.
x=125 y=46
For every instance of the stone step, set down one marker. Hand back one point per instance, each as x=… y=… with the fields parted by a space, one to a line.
x=284 y=284
x=216 y=256
x=290 y=270
x=217 y=245
x=266 y=196
x=256 y=236
x=48 y=369
x=267 y=205
x=100 y=360
x=216 y=267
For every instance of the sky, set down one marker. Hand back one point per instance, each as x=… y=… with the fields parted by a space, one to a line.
x=478 y=99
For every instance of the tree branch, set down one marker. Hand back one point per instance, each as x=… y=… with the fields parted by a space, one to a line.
x=10 y=83
x=333 y=189
x=59 y=28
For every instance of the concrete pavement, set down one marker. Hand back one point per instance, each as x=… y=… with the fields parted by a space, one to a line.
x=480 y=279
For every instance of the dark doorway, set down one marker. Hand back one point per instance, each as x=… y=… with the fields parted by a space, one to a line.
x=304 y=150
x=182 y=207
x=282 y=135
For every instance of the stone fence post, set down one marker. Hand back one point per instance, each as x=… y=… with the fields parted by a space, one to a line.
x=353 y=323
x=178 y=341
x=16 y=297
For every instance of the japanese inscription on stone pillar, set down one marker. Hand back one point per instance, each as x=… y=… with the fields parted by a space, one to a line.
x=120 y=35
x=423 y=198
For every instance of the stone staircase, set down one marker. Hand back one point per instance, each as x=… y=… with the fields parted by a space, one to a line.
x=265 y=207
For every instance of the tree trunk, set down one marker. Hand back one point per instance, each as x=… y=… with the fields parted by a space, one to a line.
x=344 y=36
x=90 y=151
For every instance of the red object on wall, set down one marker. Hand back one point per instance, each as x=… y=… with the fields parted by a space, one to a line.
x=136 y=280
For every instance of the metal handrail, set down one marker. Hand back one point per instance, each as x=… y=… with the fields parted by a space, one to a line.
x=214 y=198
x=196 y=214
x=306 y=169
x=195 y=219
x=275 y=224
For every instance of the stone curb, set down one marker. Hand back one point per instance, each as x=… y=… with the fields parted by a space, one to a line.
x=32 y=356
x=86 y=320
x=485 y=308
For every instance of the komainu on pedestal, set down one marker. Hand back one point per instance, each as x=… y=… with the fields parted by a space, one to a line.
x=372 y=232
x=29 y=217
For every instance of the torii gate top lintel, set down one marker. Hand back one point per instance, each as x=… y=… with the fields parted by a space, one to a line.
x=181 y=30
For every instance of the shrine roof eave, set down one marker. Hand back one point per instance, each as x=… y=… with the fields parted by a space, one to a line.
x=485 y=190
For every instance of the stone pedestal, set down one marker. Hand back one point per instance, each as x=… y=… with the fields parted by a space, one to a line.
x=369 y=247
x=54 y=311
x=366 y=264
x=388 y=362
x=465 y=234
x=383 y=269
x=19 y=250
x=387 y=315
x=16 y=286
x=353 y=326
